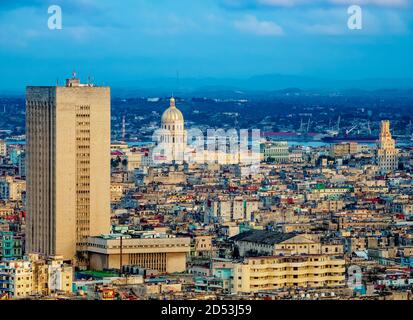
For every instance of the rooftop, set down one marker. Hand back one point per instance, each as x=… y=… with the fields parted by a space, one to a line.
x=264 y=237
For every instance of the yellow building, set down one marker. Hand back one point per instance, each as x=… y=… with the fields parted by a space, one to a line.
x=11 y=188
x=202 y=246
x=16 y=279
x=3 y=148
x=116 y=192
x=68 y=167
x=276 y=272
x=344 y=149
x=51 y=275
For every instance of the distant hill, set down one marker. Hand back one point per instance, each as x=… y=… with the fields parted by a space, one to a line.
x=259 y=85
x=262 y=83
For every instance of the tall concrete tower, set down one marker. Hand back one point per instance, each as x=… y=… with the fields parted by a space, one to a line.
x=68 y=166
x=387 y=154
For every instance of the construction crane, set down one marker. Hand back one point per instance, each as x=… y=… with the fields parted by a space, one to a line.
x=308 y=125
x=334 y=131
x=349 y=131
x=301 y=126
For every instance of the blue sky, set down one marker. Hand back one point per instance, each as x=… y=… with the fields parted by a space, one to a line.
x=122 y=41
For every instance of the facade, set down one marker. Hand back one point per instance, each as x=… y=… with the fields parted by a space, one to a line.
x=16 y=279
x=11 y=188
x=202 y=246
x=281 y=272
x=11 y=245
x=276 y=152
x=344 y=149
x=387 y=154
x=3 y=148
x=51 y=275
x=231 y=209
x=68 y=167
x=167 y=254
x=22 y=164
x=35 y=275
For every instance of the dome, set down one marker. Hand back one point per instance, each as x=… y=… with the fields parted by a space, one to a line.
x=172 y=114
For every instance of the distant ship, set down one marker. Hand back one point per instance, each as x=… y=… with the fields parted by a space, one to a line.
x=333 y=139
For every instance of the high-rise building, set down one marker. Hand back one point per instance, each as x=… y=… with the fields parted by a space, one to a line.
x=68 y=167
x=387 y=154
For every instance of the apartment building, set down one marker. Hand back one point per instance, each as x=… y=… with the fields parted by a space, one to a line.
x=11 y=188
x=11 y=245
x=16 y=279
x=231 y=209
x=35 y=275
x=344 y=149
x=280 y=272
x=51 y=275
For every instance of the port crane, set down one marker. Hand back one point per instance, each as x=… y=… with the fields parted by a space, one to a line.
x=351 y=130
x=333 y=132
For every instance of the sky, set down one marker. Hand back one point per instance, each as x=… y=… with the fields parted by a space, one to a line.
x=119 y=42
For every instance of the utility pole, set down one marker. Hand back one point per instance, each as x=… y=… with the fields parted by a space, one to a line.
x=121 y=254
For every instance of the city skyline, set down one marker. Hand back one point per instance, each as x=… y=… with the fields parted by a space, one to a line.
x=217 y=152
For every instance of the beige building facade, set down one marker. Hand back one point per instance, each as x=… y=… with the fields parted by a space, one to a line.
x=68 y=167
x=387 y=154
x=277 y=272
x=167 y=255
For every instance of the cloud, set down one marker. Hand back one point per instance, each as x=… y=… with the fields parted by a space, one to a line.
x=262 y=28
x=333 y=30
x=380 y=3
x=282 y=3
x=73 y=6
x=256 y=4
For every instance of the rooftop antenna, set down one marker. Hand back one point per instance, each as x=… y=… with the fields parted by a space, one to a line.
x=177 y=81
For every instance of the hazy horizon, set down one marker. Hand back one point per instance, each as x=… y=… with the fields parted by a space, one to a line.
x=137 y=41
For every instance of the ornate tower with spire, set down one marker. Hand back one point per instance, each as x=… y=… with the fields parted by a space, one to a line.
x=387 y=154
